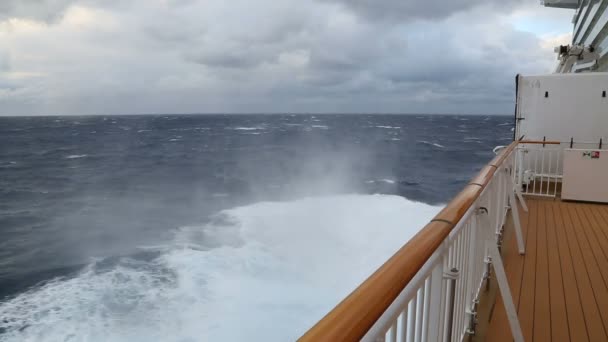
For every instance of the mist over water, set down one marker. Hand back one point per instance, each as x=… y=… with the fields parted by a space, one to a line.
x=190 y=228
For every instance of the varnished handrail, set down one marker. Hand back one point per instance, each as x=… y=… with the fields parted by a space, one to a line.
x=356 y=314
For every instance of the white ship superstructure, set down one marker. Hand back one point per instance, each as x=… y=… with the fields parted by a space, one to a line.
x=589 y=48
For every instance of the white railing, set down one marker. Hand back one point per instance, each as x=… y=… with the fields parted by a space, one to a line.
x=429 y=290
x=440 y=303
x=539 y=169
x=539 y=166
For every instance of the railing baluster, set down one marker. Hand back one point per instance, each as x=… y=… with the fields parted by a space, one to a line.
x=403 y=317
x=542 y=169
x=419 y=314
x=427 y=303
x=433 y=330
x=393 y=330
x=550 y=153
x=535 y=170
x=473 y=257
x=411 y=329
x=451 y=276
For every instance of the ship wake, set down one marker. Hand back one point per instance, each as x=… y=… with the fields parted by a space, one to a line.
x=263 y=272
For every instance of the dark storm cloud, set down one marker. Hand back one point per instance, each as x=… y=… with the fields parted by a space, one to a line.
x=418 y=9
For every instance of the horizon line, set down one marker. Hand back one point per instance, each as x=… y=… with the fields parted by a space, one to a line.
x=252 y=113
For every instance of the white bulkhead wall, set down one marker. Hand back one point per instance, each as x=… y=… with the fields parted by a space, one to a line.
x=563 y=106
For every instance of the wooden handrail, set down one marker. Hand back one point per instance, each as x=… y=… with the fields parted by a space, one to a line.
x=356 y=314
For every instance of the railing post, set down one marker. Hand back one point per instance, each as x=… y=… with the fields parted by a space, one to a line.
x=505 y=292
x=472 y=313
x=451 y=277
x=516 y=222
x=437 y=294
x=503 y=285
x=513 y=183
x=488 y=271
x=519 y=166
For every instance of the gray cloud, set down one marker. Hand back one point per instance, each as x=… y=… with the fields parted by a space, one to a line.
x=5 y=60
x=272 y=56
x=36 y=9
x=415 y=9
x=236 y=58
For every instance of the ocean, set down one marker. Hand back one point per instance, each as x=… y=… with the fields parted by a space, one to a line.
x=213 y=227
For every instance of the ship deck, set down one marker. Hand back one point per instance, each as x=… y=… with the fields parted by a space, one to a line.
x=560 y=286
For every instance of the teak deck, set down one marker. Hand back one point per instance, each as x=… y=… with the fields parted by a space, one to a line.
x=560 y=286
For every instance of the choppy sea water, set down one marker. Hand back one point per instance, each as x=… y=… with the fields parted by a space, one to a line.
x=213 y=227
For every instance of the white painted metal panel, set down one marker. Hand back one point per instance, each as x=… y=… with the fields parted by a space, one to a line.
x=585 y=175
x=563 y=106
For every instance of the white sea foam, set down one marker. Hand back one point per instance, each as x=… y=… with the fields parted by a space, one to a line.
x=76 y=156
x=263 y=272
x=388 y=127
x=245 y=128
x=430 y=143
x=320 y=126
x=472 y=140
x=385 y=180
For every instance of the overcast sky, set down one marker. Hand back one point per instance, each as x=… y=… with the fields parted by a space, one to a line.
x=278 y=56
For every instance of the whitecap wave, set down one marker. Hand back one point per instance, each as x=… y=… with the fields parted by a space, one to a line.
x=245 y=128
x=263 y=272
x=431 y=144
x=385 y=180
x=76 y=156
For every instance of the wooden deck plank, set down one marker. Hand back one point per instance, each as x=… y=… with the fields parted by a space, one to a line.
x=528 y=284
x=574 y=309
x=598 y=224
x=597 y=240
x=598 y=285
x=499 y=329
x=561 y=285
x=602 y=216
x=559 y=314
x=593 y=320
x=542 y=308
